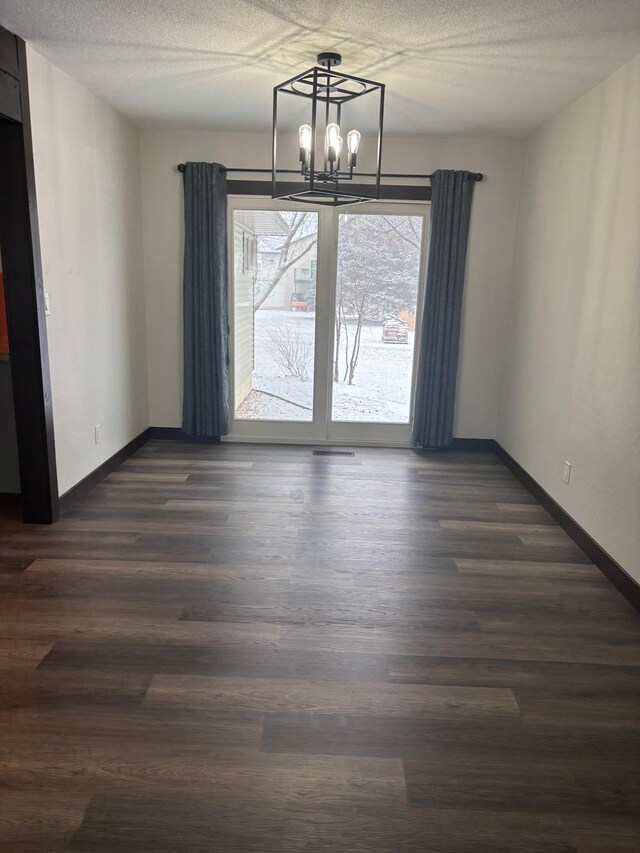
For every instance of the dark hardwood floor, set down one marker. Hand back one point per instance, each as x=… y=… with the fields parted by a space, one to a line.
x=243 y=648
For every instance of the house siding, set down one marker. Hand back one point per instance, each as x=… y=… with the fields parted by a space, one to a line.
x=243 y=319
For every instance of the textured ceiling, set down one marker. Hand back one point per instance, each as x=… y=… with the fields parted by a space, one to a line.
x=466 y=67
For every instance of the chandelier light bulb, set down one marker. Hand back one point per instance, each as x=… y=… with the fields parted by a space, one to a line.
x=353 y=141
x=306 y=135
x=332 y=141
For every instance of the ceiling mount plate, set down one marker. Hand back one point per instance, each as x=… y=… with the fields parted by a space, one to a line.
x=327 y=59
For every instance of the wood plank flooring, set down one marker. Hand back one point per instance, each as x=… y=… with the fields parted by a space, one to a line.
x=250 y=648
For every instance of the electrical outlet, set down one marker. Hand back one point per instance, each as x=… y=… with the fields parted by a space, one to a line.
x=567 y=472
x=97 y=433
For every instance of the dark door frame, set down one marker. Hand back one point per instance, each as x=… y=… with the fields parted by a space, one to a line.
x=24 y=292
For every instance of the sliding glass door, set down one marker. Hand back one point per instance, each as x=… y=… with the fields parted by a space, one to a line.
x=324 y=308
x=376 y=293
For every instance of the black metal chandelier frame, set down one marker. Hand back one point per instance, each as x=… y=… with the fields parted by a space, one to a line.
x=328 y=91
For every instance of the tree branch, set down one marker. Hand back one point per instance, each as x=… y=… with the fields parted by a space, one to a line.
x=412 y=242
x=284 y=263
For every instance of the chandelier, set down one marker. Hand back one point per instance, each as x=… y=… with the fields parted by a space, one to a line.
x=327 y=171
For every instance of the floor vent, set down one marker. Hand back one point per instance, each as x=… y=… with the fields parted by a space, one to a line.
x=333 y=453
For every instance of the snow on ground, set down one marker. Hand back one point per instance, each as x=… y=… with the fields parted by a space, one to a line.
x=260 y=406
x=380 y=391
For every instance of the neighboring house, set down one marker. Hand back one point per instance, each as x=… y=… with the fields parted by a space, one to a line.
x=249 y=225
x=253 y=267
x=299 y=278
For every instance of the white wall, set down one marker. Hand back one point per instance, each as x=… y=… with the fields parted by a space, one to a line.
x=572 y=360
x=489 y=263
x=89 y=206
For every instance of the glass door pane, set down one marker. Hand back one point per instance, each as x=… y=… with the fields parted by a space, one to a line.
x=274 y=311
x=377 y=280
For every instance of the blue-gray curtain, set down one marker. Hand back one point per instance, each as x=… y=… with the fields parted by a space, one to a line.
x=451 y=194
x=205 y=405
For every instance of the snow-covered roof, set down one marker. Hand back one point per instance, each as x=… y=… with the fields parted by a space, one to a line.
x=265 y=222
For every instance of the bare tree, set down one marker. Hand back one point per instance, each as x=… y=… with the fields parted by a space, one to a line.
x=300 y=225
x=376 y=275
x=408 y=228
x=290 y=351
x=355 y=310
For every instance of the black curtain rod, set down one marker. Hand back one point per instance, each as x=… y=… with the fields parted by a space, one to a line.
x=477 y=177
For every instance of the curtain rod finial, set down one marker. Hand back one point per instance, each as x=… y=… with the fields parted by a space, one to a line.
x=181 y=167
